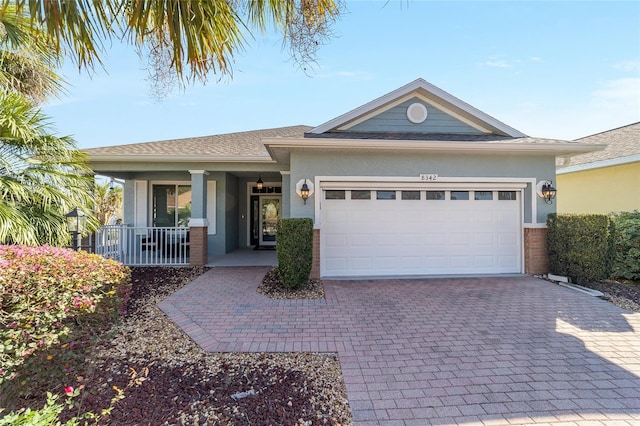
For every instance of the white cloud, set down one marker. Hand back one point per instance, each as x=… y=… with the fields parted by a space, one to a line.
x=497 y=63
x=622 y=92
x=627 y=66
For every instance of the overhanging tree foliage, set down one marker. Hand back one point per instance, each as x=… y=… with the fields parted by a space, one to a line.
x=191 y=38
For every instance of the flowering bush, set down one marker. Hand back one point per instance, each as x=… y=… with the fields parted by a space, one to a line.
x=50 y=300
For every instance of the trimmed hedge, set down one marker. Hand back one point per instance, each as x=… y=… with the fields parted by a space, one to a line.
x=580 y=246
x=294 y=245
x=626 y=262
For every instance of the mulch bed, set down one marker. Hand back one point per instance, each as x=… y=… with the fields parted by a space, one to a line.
x=623 y=294
x=273 y=288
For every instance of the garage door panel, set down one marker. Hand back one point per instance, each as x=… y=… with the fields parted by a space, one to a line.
x=459 y=238
x=361 y=240
x=361 y=263
x=420 y=237
x=412 y=262
x=335 y=264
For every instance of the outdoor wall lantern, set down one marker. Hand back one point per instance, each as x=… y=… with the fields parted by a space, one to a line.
x=304 y=189
x=546 y=191
x=76 y=224
x=259 y=183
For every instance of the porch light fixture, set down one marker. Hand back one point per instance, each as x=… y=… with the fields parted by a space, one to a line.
x=259 y=182
x=546 y=191
x=304 y=191
x=76 y=224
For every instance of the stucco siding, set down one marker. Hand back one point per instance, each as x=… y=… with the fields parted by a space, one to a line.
x=309 y=165
x=603 y=190
x=395 y=120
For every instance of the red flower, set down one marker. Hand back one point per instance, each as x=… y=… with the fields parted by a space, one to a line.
x=68 y=390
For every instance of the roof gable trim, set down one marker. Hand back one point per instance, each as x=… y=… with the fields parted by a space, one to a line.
x=438 y=94
x=599 y=164
x=424 y=99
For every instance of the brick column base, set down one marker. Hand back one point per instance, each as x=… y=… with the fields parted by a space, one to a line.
x=315 y=264
x=536 y=259
x=198 y=243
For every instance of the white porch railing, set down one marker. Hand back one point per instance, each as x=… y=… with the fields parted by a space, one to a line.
x=144 y=246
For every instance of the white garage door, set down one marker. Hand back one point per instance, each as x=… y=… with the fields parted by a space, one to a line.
x=395 y=232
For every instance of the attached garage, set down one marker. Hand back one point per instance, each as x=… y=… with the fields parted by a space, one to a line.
x=386 y=229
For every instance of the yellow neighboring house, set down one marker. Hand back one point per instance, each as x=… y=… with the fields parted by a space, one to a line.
x=602 y=181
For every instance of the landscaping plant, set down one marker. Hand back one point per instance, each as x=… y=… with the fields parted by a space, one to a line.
x=294 y=245
x=52 y=301
x=626 y=262
x=580 y=246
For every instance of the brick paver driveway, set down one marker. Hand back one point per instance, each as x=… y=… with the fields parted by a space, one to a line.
x=509 y=350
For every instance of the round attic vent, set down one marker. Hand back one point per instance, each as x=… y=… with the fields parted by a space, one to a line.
x=417 y=113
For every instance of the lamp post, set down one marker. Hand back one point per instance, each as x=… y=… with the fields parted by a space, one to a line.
x=76 y=224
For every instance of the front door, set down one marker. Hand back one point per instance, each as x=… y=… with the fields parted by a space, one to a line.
x=269 y=215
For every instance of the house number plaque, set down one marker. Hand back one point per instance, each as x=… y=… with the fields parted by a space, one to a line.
x=428 y=177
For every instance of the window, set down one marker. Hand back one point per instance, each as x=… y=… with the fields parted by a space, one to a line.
x=334 y=195
x=410 y=195
x=361 y=195
x=483 y=195
x=459 y=195
x=171 y=205
x=435 y=195
x=506 y=195
x=385 y=195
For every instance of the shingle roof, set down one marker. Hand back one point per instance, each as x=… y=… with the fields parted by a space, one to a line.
x=443 y=137
x=233 y=145
x=621 y=142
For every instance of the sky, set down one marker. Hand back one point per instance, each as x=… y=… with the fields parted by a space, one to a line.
x=550 y=69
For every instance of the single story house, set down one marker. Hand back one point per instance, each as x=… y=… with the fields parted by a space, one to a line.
x=602 y=181
x=414 y=183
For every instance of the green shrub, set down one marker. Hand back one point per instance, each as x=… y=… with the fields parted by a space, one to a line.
x=52 y=301
x=294 y=245
x=580 y=246
x=626 y=262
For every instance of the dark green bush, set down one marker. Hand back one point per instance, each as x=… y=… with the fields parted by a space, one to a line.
x=626 y=262
x=294 y=245
x=580 y=246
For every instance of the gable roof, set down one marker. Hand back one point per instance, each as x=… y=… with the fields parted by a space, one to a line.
x=432 y=95
x=622 y=146
x=240 y=146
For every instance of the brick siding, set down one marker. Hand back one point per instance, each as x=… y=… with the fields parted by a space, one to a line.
x=198 y=246
x=315 y=265
x=536 y=260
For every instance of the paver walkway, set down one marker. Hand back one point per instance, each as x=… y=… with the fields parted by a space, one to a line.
x=509 y=350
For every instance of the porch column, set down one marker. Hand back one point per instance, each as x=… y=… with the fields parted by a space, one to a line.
x=198 y=225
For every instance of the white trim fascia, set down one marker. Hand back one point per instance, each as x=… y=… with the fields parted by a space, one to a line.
x=198 y=223
x=516 y=183
x=417 y=145
x=406 y=89
x=199 y=172
x=599 y=164
x=169 y=158
x=285 y=172
x=535 y=225
x=424 y=99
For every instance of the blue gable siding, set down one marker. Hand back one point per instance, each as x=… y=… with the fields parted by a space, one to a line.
x=395 y=120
